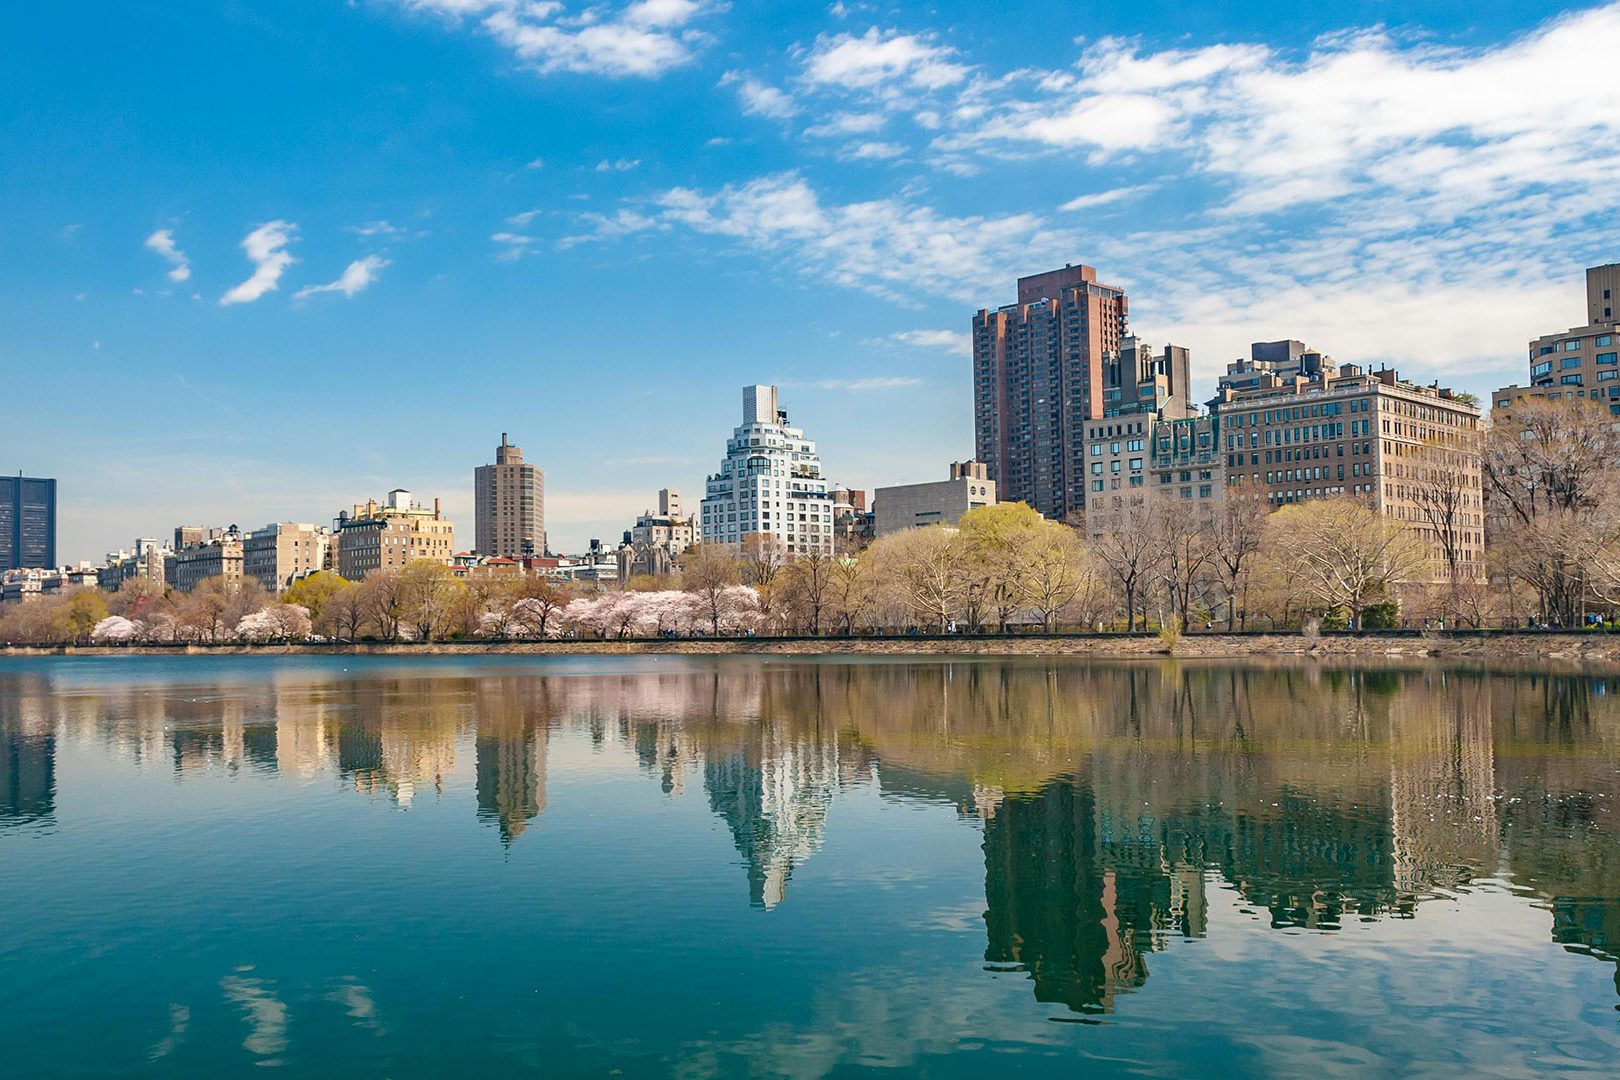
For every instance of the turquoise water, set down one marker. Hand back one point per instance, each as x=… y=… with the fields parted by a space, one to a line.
x=694 y=867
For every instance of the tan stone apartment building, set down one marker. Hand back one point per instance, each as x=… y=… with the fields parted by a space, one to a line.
x=220 y=556
x=1368 y=434
x=282 y=552
x=392 y=534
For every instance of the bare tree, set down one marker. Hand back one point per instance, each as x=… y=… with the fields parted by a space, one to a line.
x=429 y=594
x=1346 y=554
x=1181 y=551
x=1548 y=466
x=924 y=565
x=1124 y=545
x=708 y=570
x=1236 y=531
x=1053 y=570
x=379 y=602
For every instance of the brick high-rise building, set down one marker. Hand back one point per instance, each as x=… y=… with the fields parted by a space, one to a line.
x=27 y=523
x=1038 y=376
x=509 y=499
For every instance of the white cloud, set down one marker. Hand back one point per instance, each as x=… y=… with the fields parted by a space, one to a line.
x=513 y=245
x=620 y=165
x=521 y=221
x=760 y=99
x=355 y=277
x=872 y=383
x=266 y=248
x=876 y=150
x=377 y=230
x=882 y=58
x=536 y=164
x=952 y=341
x=611 y=227
x=1360 y=113
x=847 y=123
x=890 y=246
x=162 y=242
x=1106 y=198
x=643 y=39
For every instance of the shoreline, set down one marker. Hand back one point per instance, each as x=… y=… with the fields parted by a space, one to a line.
x=1578 y=646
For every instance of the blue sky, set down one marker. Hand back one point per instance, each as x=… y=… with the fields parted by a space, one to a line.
x=264 y=259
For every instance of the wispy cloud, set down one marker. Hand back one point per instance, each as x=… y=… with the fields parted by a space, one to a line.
x=642 y=39
x=266 y=248
x=870 y=384
x=619 y=165
x=358 y=275
x=952 y=341
x=1107 y=198
x=377 y=230
x=894 y=247
x=162 y=242
x=611 y=227
x=513 y=246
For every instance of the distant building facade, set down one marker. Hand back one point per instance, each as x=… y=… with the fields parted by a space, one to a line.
x=854 y=525
x=146 y=560
x=392 y=534
x=509 y=505
x=770 y=488
x=1581 y=363
x=27 y=522
x=942 y=502
x=219 y=557
x=282 y=552
x=1367 y=434
x=655 y=543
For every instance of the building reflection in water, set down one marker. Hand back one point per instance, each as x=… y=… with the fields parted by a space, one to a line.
x=1111 y=798
x=27 y=755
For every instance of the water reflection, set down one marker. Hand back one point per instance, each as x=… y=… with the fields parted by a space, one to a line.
x=1113 y=801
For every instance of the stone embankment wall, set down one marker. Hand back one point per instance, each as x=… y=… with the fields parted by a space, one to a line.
x=1570 y=646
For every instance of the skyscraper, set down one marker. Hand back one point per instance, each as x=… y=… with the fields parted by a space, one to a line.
x=509 y=498
x=1038 y=376
x=27 y=523
x=769 y=488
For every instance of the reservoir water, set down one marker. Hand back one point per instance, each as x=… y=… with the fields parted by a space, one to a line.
x=694 y=867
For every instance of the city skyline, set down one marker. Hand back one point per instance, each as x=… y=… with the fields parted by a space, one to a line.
x=839 y=188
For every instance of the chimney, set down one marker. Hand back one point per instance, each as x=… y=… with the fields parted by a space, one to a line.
x=435 y=508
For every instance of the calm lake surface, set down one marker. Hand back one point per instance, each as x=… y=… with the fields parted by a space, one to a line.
x=689 y=867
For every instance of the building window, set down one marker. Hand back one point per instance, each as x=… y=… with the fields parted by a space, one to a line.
x=1572 y=345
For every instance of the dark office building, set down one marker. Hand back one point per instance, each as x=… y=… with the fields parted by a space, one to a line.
x=27 y=523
